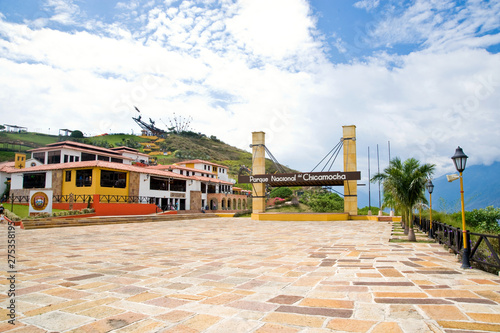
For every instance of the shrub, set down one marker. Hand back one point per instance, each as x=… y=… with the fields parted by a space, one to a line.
x=11 y=216
x=281 y=192
x=326 y=202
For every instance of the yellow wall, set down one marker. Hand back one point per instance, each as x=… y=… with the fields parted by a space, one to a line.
x=190 y=165
x=95 y=188
x=20 y=162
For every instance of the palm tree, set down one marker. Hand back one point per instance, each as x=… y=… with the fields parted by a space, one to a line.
x=405 y=181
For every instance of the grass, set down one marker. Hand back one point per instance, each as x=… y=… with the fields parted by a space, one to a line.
x=301 y=208
x=404 y=240
x=23 y=210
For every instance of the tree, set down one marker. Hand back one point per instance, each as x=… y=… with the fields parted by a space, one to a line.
x=405 y=184
x=76 y=134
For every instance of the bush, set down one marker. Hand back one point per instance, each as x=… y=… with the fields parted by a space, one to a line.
x=281 y=192
x=485 y=219
x=364 y=210
x=11 y=216
x=326 y=202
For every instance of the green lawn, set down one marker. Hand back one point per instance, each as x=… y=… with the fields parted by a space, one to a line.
x=23 y=210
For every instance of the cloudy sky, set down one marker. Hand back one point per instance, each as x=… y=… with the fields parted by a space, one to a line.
x=423 y=75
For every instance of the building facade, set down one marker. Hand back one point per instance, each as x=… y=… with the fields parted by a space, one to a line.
x=68 y=169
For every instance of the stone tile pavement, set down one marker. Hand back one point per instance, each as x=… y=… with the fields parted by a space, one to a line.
x=238 y=275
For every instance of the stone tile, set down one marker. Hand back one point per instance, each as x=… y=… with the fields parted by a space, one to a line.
x=452 y=293
x=57 y=321
x=485 y=317
x=253 y=306
x=472 y=300
x=328 y=312
x=390 y=272
x=147 y=325
x=443 y=312
x=327 y=303
x=401 y=294
x=223 y=299
x=387 y=327
x=66 y=293
x=231 y=325
x=398 y=311
x=84 y=277
x=146 y=296
x=110 y=323
x=412 y=301
x=294 y=319
x=166 y=302
x=51 y=307
x=101 y=311
x=350 y=325
x=201 y=322
x=271 y=328
x=469 y=326
x=285 y=299
x=484 y=281
x=175 y=316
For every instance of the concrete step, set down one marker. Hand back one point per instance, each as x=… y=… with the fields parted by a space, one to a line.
x=102 y=220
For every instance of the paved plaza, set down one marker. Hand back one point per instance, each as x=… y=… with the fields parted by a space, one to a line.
x=237 y=275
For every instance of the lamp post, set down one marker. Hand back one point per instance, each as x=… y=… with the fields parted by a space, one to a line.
x=430 y=188
x=460 y=159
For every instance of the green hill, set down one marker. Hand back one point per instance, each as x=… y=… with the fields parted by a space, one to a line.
x=177 y=147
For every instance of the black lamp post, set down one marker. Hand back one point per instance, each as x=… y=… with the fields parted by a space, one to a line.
x=460 y=159
x=430 y=188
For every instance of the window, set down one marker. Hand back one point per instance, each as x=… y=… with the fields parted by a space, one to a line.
x=71 y=158
x=68 y=175
x=113 y=179
x=182 y=172
x=77 y=158
x=54 y=157
x=39 y=156
x=116 y=160
x=103 y=158
x=158 y=184
x=88 y=157
x=178 y=185
x=65 y=158
x=84 y=178
x=34 y=180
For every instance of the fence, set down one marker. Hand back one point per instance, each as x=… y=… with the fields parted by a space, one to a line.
x=485 y=248
x=86 y=198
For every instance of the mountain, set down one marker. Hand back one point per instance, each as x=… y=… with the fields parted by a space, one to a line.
x=481 y=189
x=177 y=147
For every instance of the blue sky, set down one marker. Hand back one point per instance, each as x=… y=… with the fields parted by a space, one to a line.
x=423 y=75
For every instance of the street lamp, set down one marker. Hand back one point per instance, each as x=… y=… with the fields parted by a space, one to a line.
x=430 y=188
x=460 y=159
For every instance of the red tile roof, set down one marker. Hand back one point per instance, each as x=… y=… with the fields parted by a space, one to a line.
x=173 y=166
x=203 y=162
x=80 y=147
x=7 y=167
x=101 y=164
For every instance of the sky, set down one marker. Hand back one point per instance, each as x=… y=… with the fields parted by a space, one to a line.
x=420 y=77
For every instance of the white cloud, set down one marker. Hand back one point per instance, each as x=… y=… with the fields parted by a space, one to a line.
x=255 y=65
x=367 y=4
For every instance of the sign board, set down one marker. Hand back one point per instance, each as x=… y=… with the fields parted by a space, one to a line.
x=333 y=178
x=40 y=202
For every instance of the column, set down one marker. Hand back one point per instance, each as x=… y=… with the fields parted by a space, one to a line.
x=350 y=186
x=258 y=168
